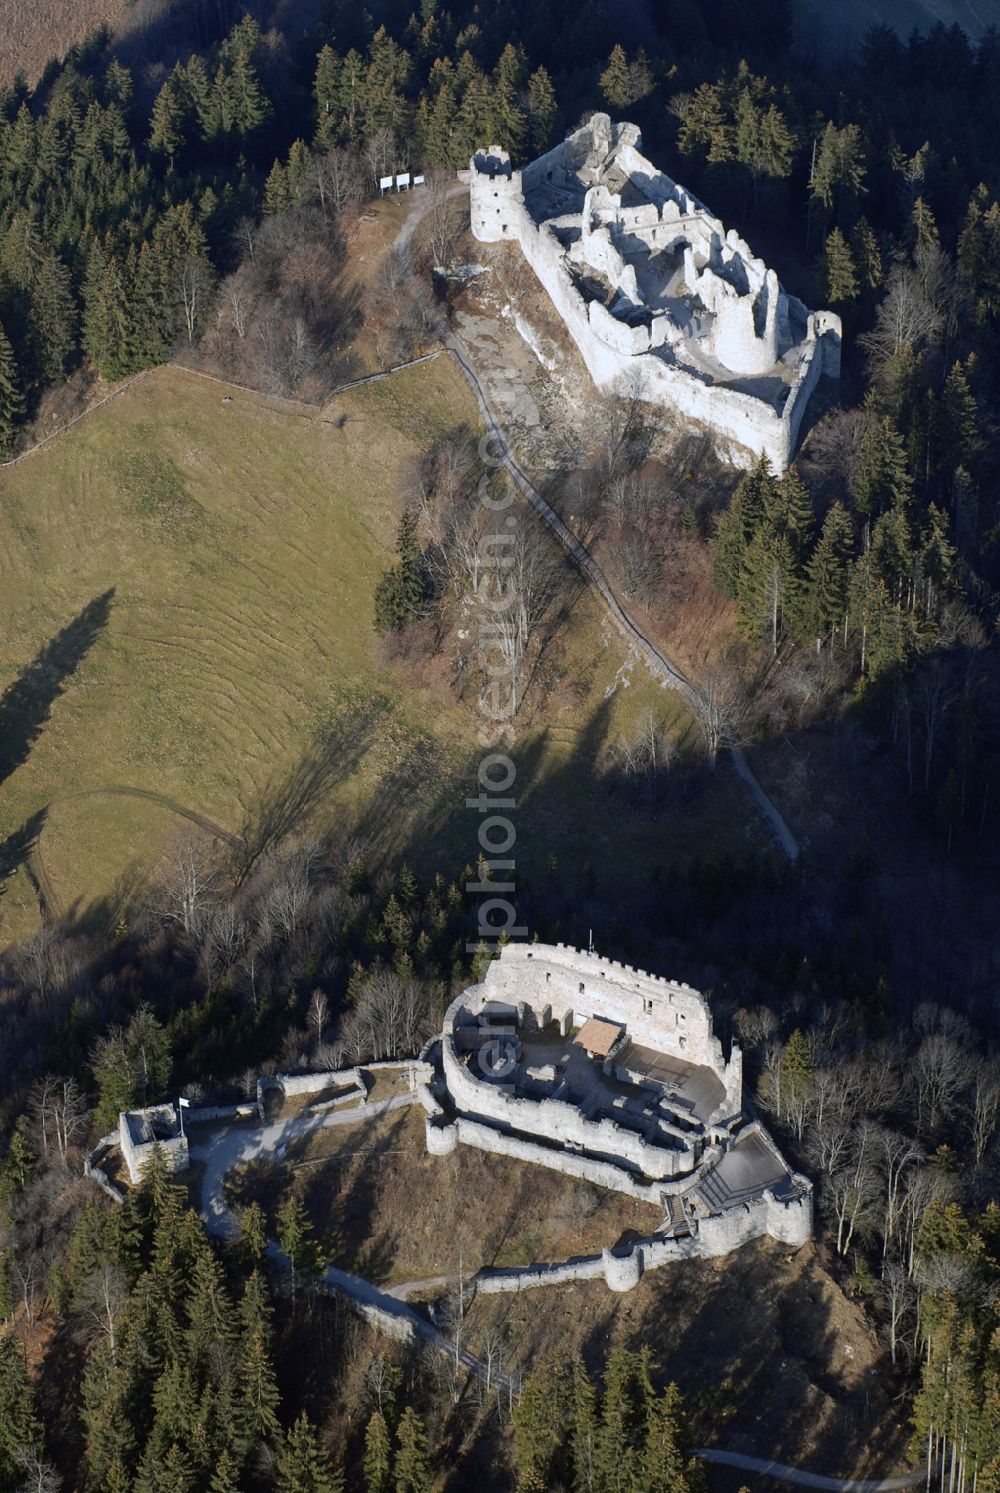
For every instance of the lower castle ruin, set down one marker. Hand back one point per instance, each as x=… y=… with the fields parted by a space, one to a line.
x=615 y=1077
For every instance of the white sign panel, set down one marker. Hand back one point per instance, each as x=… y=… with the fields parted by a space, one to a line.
x=418 y=181
x=403 y=180
x=385 y=182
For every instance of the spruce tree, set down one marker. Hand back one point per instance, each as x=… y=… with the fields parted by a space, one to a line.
x=378 y=1456
x=248 y=105
x=401 y=592
x=19 y=1425
x=302 y=1466
x=258 y=1390
x=351 y=94
x=769 y=589
x=922 y=229
x=413 y=1463
x=881 y=477
x=839 y=169
x=19 y=1164
x=166 y=125
x=11 y=396
x=796 y=1070
x=751 y=503
x=583 y=1430
x=253 y=1236
x=543 y=111
x=109 y=332
x=297 y=1238
x=621 y=1431
x=828 y=574
x=616 y=80
x=53 y=318
x=840 y=280
x=538 y=1421
x=868 y=603
x=957 y=431
x=326 y=93
x=667 y=1463
x=867 y=255
x=225 y=1475
x=277 y=194
x=508 y=86
x=212 y=1324
x=385 y=82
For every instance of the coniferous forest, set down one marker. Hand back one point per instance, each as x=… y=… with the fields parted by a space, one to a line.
x=184 y=191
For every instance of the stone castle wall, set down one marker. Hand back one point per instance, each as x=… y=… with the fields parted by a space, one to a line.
x=659 y=1013
x=789 y=1223
x=137 y=1152
x=620 y=357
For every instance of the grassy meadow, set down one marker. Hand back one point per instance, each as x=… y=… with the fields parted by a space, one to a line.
x=186 y=582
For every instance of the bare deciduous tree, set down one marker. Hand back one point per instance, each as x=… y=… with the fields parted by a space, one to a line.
x=319 y=1014
x=985 y=1103
x=389 y=1019
x=236 y=303
x=940 y=1070
x=445 y=218
x=101 y=1302
x=189 y=881
x=60 y=1115
x=899 y=1298
x=719 y=705
x=514 y=593
x=381 y=152
x=336 y=180
x=194 y=287
x=40 y=1476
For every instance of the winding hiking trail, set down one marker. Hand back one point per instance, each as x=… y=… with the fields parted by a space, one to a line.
x=800 y=1479
x=658 y=664
x=49 y=901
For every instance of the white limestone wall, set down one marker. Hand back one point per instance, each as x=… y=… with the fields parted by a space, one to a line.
x=137 y=1155
x=788 y=1223
x=465 y=1131
x=557 y=1121
x=628 y=341
x=821 y=354
x=618 y=357
x=744 y=426
x=659 y=1013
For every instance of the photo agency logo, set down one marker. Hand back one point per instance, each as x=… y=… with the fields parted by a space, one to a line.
x=498 y=610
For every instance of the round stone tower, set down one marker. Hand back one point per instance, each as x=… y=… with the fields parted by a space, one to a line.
x=622 y=1272
x=496 y=196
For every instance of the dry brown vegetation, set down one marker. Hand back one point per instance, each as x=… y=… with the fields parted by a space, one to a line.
x=386 y=1209
x=771 y=1355
x=31 y=35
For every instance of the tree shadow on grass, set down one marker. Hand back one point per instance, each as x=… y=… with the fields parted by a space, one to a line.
x=16 y=849
x=26 y=704
x=289 y=801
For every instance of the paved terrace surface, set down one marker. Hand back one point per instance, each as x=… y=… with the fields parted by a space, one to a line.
x=743 y=1171
x=687 y=1085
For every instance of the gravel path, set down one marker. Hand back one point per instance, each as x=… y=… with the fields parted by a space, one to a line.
x=661 y=667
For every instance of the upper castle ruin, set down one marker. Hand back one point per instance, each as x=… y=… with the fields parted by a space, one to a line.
x=662 y=302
